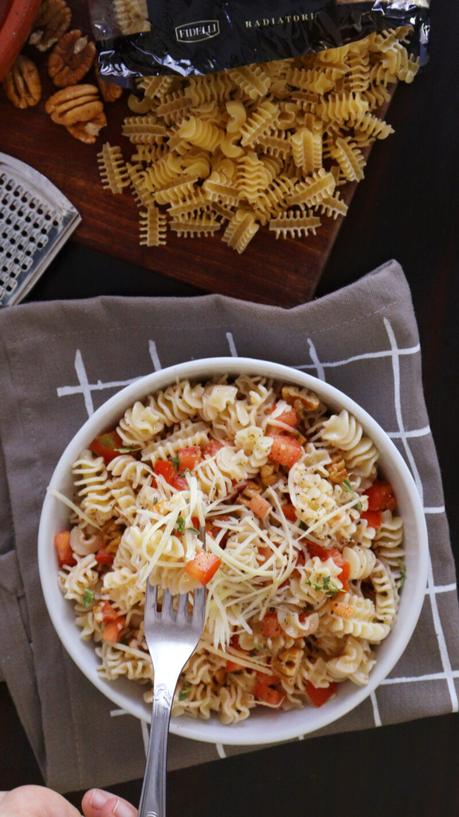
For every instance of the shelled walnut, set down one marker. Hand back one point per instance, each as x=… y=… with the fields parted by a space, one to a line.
x=52 y=22
x=22 y=83
x=269 y=473
x=337 y=471
x=250 y=490
x=300 y=399
x=71 y=59
x=79 y=109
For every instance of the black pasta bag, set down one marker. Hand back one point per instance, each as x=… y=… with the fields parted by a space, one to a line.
x=193 y=37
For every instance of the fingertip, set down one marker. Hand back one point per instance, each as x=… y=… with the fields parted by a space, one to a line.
x=98 y=803
x=94 y=802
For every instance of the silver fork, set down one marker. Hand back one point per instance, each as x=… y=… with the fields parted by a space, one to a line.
x=172 y=636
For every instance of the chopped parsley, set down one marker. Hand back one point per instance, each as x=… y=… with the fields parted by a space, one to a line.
x=175 y=462
x=184 y=693
x=88 y=598
x=326 y=585
x=180 y=524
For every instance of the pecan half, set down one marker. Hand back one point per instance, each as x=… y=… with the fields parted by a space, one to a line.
x=108 y=90
x=22 y=83
x=76 y=103
x=52 y=22
x=88 y=131
x=71 y=59
x=79 y=109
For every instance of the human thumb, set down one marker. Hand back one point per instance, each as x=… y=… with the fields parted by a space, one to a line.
x=98 y=803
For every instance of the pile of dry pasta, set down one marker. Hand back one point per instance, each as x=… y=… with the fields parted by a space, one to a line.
x=304 y=548
x=259 y=145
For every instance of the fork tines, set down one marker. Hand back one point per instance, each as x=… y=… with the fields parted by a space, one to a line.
x=182 y=612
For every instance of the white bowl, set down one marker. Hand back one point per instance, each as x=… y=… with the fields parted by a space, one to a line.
x=263 y=726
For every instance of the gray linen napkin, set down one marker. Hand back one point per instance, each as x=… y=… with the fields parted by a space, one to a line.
x=61 y=360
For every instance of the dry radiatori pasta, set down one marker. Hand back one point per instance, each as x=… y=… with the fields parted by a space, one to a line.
x=303 y=539
x=268 y=144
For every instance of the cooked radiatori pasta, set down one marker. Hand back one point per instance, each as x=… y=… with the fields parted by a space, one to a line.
x=304 y=545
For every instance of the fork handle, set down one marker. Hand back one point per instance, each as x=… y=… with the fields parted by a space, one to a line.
x=153 y=797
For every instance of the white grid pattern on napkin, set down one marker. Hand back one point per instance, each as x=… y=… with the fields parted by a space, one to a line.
x=319 y=367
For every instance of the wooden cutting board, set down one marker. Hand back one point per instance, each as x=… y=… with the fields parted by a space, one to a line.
x=284 y=272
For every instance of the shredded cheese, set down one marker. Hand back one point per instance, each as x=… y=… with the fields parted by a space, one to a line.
x=57 y=495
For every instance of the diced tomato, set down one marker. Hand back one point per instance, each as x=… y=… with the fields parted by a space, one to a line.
x=166 y=469
x=104 y=557
x=195 y=522
x=267 y=680
x=289 y=512
x=381 y=497
x=211 y=448
x=260 y=506
x=63 y=550
x=107 y=445
x=339 y=561
x=114 y=623
x=109 y=613
x=285 y=450
x=373 y=518
x=289 y=417
x=112 y=629
x=265 y=690
x=189 y=457
x=318 y=550
x=270 y=626
x=319 y=695
x=212 y=530
x=203 y=566
x=269 y=695
x=264 y=553
x=300 y=558
x=331 y=553
x=345 y=573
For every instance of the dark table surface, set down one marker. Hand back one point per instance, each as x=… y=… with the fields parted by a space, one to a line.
x=406 y=208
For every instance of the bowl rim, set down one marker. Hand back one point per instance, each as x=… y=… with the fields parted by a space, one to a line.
x=195 y=729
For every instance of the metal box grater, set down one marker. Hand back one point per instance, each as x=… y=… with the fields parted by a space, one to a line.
x=35 y=222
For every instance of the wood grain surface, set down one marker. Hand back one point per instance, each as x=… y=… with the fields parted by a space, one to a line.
x=270 y=271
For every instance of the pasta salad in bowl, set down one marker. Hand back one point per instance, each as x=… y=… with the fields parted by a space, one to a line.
x=315 y=554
